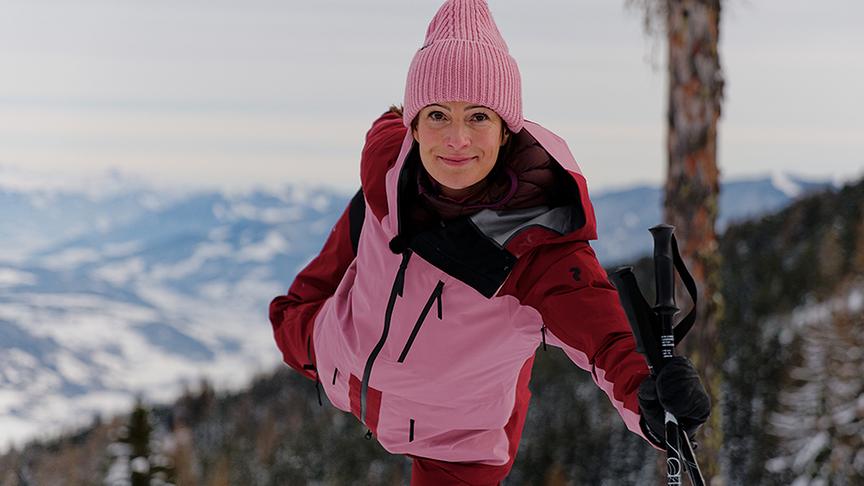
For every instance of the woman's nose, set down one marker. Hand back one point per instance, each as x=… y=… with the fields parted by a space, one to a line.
x=458 y=137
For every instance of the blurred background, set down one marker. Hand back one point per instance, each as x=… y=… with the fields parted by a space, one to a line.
x=166 y=167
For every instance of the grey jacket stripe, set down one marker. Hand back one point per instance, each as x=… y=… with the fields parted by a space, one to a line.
x=501 y=226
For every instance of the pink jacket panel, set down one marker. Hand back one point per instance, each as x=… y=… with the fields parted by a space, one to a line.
x=457 y=380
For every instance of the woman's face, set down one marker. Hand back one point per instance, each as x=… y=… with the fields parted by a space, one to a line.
x=459 y=143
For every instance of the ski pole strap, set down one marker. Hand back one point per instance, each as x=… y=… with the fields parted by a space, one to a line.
x=684 y=326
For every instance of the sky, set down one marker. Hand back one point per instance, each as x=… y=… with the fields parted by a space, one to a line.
x=261 y=93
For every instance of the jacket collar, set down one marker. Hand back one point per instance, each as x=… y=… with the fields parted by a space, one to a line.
x=554 y=145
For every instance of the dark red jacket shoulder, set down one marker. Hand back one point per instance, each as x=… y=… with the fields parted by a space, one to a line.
x=383 y=143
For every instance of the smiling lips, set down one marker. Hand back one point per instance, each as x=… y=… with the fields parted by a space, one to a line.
x=456 y=160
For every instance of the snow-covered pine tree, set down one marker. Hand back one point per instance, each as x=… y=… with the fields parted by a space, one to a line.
x=821 y=422
x=136 y=457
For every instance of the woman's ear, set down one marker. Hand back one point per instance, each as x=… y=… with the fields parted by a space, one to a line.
x=414 y=134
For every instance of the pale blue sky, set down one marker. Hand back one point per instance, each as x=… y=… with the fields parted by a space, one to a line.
x=237 y=93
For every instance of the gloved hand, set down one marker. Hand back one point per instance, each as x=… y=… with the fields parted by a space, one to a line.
x=677 y=389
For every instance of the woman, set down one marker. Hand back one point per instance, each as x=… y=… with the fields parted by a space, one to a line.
x=466 y=249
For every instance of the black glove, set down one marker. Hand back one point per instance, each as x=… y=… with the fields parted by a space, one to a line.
x=677 y=389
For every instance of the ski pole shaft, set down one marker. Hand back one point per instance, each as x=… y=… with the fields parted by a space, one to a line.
x=665 y=308
x=690 y=461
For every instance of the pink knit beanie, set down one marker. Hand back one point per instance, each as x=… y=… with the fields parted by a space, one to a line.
x=464 y=58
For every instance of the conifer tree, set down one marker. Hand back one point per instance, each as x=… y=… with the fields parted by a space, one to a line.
x=821 y=421
x=137 y=458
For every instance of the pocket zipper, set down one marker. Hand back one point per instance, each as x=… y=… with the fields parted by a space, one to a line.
x=436 y=295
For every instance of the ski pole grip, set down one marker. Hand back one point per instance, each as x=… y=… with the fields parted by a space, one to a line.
x=664 y=280
x=664 y=267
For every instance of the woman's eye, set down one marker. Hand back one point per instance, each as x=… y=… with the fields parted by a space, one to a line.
x=479 y=117
x=436 y=115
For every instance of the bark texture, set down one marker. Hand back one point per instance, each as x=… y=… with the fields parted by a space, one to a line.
x=692 y=187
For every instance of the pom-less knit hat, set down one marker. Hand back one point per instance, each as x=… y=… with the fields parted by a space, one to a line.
x=464 y=58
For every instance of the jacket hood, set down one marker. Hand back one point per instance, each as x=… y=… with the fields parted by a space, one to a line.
x=556 y=148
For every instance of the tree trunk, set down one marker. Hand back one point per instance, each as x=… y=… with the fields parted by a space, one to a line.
x=692 y=188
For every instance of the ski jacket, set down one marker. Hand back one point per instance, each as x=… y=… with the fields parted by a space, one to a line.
x=429 y=337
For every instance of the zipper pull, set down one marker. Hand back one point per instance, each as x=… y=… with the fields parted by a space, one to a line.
x=400 y=276
x=438 y=291
x=368 y=434
x=543 y=333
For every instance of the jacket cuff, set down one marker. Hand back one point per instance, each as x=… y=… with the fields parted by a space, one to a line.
x=653 y=439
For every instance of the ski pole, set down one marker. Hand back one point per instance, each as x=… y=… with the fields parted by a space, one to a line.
x=656 y=337
x=665 y=309
x=679 y=452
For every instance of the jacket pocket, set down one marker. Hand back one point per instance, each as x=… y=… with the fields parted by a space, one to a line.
x=436 y=296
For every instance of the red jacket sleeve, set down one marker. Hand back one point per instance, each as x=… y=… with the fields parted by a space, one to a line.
x=582 y=314
x=292 y=315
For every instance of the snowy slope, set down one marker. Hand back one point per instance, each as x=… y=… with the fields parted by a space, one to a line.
x=140 y=298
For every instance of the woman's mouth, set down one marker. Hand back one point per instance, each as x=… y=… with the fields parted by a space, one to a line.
x=456 y=160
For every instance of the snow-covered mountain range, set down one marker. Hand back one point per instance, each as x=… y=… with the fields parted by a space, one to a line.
x=624 y=216
x=113 y=290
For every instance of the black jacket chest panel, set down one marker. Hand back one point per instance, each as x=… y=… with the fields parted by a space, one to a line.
x=459 y=248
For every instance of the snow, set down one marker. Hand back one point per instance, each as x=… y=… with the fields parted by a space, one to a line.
x=79 y=353
x=16 y=432
x=120 y=273
x=269 y=215
x=852 y=300
x=272 y=245
x=818 y=421
x=116 y=250
x=139 y=465
x=785 y=184
x=20 y=358
x=103 y=349
x=855 y=301
x=220 y=233
x=71 y=258
x=809 y=452
x=214 y=291
x=320 y=203
x=7 y=399
x=202 y=253
x=72 y=368
x=10 y=277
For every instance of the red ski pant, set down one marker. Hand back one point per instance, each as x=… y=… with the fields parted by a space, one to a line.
x=429 y=472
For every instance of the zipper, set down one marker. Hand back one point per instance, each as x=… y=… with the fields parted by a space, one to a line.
x=543 y=334
x=436 y=295
x=398 y=288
